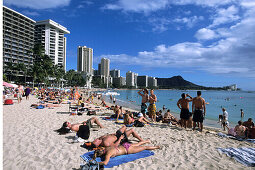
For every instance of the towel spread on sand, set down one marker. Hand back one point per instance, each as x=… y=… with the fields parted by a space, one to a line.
x=233 y=137
x=245 y=156
x=115 y=161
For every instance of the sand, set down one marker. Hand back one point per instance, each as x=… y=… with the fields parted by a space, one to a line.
x=29 y=142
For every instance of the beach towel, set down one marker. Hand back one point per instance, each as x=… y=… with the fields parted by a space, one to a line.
x=40 y=107
x=245 y=156
x=233 y=137
x=122 y=123
x=109 y=118
x=115 y=161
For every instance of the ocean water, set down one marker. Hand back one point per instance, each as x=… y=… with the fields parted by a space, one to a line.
x=233 y=101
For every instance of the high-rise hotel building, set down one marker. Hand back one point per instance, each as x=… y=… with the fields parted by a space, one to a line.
x=51 y=35
x=105 y=69
x=18 y=37
x=85 y=60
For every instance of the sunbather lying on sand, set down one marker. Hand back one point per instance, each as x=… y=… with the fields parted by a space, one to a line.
x=115 y=138
x=124 y=149
x=45 y=105
x=129 y=119
x=82 y=129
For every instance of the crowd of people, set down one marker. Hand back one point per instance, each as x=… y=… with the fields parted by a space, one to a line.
x=115 y=144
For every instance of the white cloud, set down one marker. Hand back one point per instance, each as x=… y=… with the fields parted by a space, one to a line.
x=190 y=22
x=38 y=4
x=225 y=16
x=205 y=34
x=232 y=53
x=145 y=6
x=159 y=24
x=210 y=3
x=30 y=13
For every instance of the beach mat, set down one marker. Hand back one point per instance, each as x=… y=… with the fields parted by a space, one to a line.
x=111 y=119
x=233 y=137
x=245 y=156
x=115 y=161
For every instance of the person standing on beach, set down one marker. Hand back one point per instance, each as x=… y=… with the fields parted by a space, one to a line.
x=198 y=110
x=145 y=98
x=183 y=104
x=152 y=106
x=225 y=119
x=242 y=113
x=27 y=92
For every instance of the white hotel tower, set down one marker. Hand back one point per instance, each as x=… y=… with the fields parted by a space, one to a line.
x=51 y=35
x=85 y=60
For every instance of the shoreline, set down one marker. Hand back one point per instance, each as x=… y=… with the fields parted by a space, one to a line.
x=208 y=123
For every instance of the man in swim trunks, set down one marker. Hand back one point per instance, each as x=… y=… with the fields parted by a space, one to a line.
x=117 y=138
x=145 y=98
x=198 y=110
x=152 y=106
x=183 y=104
x=83 y=129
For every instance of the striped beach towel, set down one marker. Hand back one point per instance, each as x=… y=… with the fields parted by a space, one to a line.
x=245 y=156
x=233 y=137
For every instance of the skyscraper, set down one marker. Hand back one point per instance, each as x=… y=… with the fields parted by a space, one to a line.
x=51 y=35
x=85 y=60
x=115 y=73
x=131 y=79
x=142 y=81
x=18 y=37
x=152 y=82
x=105 y=69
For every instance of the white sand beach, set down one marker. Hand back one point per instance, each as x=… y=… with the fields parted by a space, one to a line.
x=29 y=142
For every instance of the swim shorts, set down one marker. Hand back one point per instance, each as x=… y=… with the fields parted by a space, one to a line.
x=152 y=109
x=185 y=114
x=83 y=132
x=119 y=133
x=143 y=108
x=198 y=116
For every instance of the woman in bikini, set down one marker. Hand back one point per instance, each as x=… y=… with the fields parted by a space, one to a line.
x=124 y=149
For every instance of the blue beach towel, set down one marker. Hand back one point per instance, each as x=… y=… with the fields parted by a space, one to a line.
x=40 y=107
x=115 y=161
x=109 y=118
x=233 y=137
x=245 y=156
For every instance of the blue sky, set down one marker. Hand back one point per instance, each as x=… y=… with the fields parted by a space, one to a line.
x=207 y=42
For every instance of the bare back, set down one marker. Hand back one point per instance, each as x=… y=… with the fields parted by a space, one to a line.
x=198 y=102
x=184 y=103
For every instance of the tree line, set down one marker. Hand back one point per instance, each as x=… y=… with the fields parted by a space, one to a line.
x=42 y=73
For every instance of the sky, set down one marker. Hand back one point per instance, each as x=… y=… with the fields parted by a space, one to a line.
x=207 y=42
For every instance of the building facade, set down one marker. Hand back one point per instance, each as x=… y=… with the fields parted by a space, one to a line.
x=131 y=79
x=142 y=81
x=115 y=73
x=51 y=36
x=119 y=81
x=105 y=69
x=18 y=38
x=85 y=60
x=152 y=82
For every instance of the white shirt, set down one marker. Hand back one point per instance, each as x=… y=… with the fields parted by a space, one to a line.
x=225 y=113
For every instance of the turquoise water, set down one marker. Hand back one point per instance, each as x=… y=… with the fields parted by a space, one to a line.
x=233 y=101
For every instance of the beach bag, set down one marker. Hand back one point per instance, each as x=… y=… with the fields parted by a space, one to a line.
x=91 y=165
x=138 y=124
